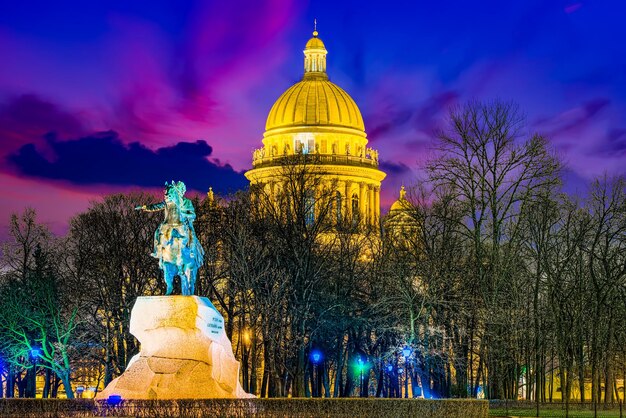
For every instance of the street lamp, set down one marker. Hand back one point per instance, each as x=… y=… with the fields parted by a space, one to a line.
x=114 y=400
x=407 y=352
x=316 y=356
x=35 y=353
x=245 y=370
x=361 y=365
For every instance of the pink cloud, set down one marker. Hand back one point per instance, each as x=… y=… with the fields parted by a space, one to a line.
x=571 y=8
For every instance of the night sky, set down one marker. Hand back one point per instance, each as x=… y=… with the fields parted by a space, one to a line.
x=103 y=96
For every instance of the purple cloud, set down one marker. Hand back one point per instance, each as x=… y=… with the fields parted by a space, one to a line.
x=103 y=159
x=26 y=118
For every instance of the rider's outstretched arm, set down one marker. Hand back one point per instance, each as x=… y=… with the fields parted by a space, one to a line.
x=155 y=207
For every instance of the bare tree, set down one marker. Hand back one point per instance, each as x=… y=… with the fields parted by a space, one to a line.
x=491 y=168
x=108 y=254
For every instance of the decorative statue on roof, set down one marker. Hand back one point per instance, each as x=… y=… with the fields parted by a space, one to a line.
x=175 y=242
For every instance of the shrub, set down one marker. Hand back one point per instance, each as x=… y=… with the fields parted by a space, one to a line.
x=278 y=407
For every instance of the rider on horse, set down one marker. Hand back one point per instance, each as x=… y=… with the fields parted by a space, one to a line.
x=175 y=242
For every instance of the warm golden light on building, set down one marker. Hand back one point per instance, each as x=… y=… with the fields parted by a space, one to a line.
x=400 y=221
x=317 y=117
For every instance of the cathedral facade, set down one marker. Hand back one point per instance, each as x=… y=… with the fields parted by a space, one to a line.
x=317 y=118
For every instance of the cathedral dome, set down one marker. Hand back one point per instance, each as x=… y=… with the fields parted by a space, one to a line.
x=317 y=123
x=315 y=101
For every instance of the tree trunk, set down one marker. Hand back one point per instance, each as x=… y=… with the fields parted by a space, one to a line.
x=339 y=377
x=21 y=385
x=31 y=382
x=326 y=381
x=10 y=387
x=581 y=375
x=381 y=380
x=55 y=386
x=349 y=386
x=608 y=369
x=46 y=386
x=267 y=375
x=319 y=380
x=309 y=381
x=253 y=365
x=65 y=378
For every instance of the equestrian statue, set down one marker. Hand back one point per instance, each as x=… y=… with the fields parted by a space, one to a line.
x=175 y=242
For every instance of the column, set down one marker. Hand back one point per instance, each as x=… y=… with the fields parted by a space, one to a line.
x=362 y=201
x=377 y=204
x=368 y=195
x=272 y=191
x=348 y=199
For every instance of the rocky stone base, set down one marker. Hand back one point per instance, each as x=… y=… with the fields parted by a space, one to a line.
x=185 y=353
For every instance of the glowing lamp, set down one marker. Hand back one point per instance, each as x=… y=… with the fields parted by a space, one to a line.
x=35 y=354
x=406 y=351
x=390 y=368
x=316 y=356
x=360 y=364
x=114 y=400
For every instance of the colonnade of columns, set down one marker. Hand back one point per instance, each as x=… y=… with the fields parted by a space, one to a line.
x=367 y=196
x=360 y=196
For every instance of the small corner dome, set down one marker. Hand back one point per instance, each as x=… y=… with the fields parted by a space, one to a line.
x=401 y=204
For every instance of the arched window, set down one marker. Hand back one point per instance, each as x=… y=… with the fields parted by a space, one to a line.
x=338 y=207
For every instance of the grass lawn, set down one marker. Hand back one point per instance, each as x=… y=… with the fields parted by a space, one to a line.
x=530 y=412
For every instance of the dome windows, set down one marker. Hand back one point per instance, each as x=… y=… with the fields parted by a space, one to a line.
x=304 y=143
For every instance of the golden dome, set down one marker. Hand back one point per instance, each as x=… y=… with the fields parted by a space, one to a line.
x=315 y=116
x=315 y=101
x=400 y=204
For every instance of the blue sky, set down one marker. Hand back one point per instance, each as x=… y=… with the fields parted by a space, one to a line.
x=92 y=85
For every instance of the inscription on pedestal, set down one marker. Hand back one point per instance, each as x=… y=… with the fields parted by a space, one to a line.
x=216 y=326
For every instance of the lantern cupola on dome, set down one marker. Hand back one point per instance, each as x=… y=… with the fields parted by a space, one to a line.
x=315 y=57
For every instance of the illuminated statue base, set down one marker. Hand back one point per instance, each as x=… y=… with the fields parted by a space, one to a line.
x=185 y=353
